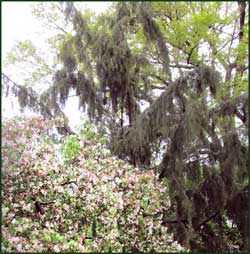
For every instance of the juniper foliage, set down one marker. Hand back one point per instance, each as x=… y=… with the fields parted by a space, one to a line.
x=205 y=155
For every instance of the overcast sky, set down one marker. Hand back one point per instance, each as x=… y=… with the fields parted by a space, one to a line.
x=19 y=24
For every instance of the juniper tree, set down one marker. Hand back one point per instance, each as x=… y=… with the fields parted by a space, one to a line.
x=117 y=61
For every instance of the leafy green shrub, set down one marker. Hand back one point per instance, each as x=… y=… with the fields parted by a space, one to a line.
x=88 y=131
x=71 y=148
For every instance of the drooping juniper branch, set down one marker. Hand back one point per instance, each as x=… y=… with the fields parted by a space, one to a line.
x=6 y=79
x=34 y=96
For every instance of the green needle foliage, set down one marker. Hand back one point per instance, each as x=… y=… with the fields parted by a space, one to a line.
x=167 y=83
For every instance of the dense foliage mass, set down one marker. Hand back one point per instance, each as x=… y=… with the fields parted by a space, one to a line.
x=74 y=196
x=167 y=83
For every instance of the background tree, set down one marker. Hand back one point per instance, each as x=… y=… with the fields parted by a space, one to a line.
x=187 y=64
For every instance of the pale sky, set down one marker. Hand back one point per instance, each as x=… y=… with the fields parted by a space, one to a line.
x=19 y=24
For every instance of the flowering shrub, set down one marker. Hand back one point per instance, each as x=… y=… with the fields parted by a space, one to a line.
x=19 y=136
x=94 y=203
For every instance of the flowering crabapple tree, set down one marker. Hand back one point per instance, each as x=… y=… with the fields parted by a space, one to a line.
x=73 y=195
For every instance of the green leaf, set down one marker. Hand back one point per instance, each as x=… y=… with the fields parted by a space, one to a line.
x=144 y=202
x=72 y=244
x=47 y=237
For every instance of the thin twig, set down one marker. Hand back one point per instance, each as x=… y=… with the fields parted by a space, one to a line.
x=69 y=182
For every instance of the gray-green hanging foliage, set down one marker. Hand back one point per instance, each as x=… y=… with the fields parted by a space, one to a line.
x=194 y=134
x=154 y=34
x=44 y=104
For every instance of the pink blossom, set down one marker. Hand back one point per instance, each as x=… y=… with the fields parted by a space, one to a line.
x=41 y=173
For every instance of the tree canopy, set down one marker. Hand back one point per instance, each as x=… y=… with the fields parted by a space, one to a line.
x=167 y=82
